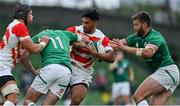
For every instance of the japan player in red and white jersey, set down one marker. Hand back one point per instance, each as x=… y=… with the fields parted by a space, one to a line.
x=82 y=61
x=14 y=43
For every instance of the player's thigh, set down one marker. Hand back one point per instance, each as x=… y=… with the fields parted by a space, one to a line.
x=149 y=87
x=50 y=99
x=78 y=91
x=167 y=76
x=60 y=85
x=46 y=77
x=80 y=76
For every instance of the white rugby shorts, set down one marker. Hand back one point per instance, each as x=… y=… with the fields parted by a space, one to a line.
x=80 y=75
x=54 y=77
x=167 y=76
x=120 y=89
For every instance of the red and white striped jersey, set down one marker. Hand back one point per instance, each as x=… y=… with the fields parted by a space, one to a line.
x=81 y=55
x=10 y=47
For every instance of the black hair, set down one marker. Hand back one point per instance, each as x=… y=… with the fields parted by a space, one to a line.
x=143 y=16
x=92 y=14
x=21 y=12
x=45 y=28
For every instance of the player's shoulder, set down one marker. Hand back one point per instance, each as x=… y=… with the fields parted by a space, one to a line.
x=99 y=33
x=17 y=25
x=155 y=34
x=132 y=36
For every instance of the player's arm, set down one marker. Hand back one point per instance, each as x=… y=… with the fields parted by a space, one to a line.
x=78 y=39
x=22 y=33
x=146 y=52
x=25 y=61
x=131 y=74
x=31 y=47
x=108 y=56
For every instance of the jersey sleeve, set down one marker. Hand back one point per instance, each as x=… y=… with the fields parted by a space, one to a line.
x=131 y=40
x=71 y=29
x=21 y=31
x=106 y=43
x=73 y=37
x=156 y=40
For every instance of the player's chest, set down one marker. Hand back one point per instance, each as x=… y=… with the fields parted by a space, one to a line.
x=141 y=43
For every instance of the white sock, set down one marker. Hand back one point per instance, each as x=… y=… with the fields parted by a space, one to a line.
x=143 y=103
x=8 y=103
x=31 y=104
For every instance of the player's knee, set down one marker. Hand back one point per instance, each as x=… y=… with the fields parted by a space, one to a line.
x=138 y=97
x=76 y=100
x=13 y=97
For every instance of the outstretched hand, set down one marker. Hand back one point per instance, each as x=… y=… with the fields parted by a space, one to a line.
x=117 y=44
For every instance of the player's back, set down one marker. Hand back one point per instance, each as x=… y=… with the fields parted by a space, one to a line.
x=57 y=50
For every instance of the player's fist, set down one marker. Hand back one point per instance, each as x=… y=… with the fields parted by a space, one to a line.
x=45 y=39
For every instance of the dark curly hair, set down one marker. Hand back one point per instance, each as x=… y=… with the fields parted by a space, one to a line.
x=21 y=11
x=92 y=14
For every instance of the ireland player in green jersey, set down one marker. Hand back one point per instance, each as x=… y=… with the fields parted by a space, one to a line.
x=54 y=77
x=151 y=45
x=122 y=73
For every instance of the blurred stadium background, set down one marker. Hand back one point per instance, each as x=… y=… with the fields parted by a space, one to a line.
x=115 y=22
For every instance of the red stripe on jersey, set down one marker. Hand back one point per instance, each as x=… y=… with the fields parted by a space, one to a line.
x=94 y=38
x=105 y=41
x=91 y=37
x=71 y=29
x=79 y=58
x=88 y=65
x=18 y=50
x=2 y=44
x=7 y=34
x=14 y=56
x=20 y=30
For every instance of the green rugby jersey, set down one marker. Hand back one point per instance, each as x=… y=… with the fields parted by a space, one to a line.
x=162 y=57
x=58 y=49
x=121 y=73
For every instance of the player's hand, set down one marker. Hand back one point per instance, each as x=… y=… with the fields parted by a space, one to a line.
x=91 y=50
x=85 y=38
x=117 y=44
x=45 y=39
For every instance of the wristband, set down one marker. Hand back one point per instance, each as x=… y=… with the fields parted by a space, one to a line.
x=43 y=44
x=139 y=51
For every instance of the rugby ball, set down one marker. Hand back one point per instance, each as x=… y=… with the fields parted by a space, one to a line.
x=99 y=47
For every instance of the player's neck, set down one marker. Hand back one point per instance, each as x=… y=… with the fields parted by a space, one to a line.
x=92 y=31
x=146 y=31
x=20 y=20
